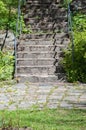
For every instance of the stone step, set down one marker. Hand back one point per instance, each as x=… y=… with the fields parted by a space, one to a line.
x=36 y=54
x=46 y=29
x=28 y=7
x=56 y=19
x=39 y=8
x=36 y=78
x=43 y=36
x=43 y=7
x=46 y=12
x=37 y=42
x=41 y=69
x=39 y=48
x=63 y=41
x=34 y=62
x=42 y=2
x=48 y=25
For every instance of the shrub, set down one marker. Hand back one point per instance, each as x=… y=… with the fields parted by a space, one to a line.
x=6 y=65
x=76 y=69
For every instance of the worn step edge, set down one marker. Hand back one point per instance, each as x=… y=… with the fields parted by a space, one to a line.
x=58 y=17
x=38 y=66
x=43 y=34
x=27 y=45
x=45 y=41
x=35 y=59
x=43 y=3
x=43 y=75
x=37 y=78
x=41 y=52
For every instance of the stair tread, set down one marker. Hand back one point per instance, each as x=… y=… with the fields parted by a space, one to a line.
x=47 y=33
x=38 y=66
x=36 y=59
x=41 y=52
x=43 y=75
x=58 y=45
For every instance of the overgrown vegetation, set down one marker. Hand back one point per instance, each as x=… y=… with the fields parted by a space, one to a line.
x=75 y=61
x=9 y=14
x=6 y=66
x=46 y=119
x=8 y=20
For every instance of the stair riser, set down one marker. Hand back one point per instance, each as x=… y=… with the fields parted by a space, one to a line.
x=63 y=41
x=56 y=19
x=38 y=42
x=48 y=13
x=36 y=70
x=35 y=62
x=39 y=36
x=34 y=48
x=35 y=79
x=44 y=36
x=45 y=27
x=36 y=55
x=44 y=30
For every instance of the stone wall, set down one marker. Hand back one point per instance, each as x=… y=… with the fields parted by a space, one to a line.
x=79 y=5
x=9 y=42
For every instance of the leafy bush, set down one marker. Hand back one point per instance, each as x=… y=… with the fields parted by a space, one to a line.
x=10 y=21
x=6 y=65
x=76 y=69
x=65 y=2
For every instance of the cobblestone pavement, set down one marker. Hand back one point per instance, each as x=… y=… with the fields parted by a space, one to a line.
x=24 y=96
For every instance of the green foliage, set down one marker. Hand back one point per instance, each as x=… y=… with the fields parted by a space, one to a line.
x=5 y=6
x=6 y=65
x=76 y=70
x=10 y=21
x=65 y=2
x=79 y=22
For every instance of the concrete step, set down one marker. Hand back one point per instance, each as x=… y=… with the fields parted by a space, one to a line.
x=30 y=48
x=35 y=62
x=36 y=78
x=36 y=54
x=39 y=69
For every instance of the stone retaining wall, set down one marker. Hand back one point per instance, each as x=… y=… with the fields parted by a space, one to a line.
x=9 y=43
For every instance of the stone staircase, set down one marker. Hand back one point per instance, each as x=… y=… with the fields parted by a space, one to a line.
x=40 y=52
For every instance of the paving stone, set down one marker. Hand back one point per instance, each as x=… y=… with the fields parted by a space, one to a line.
x=25 y=96
x=65 y=105
x=71 y=98
x=53 y=105
x=55 y=98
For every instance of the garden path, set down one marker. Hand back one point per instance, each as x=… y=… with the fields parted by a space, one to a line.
x=27 y=95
